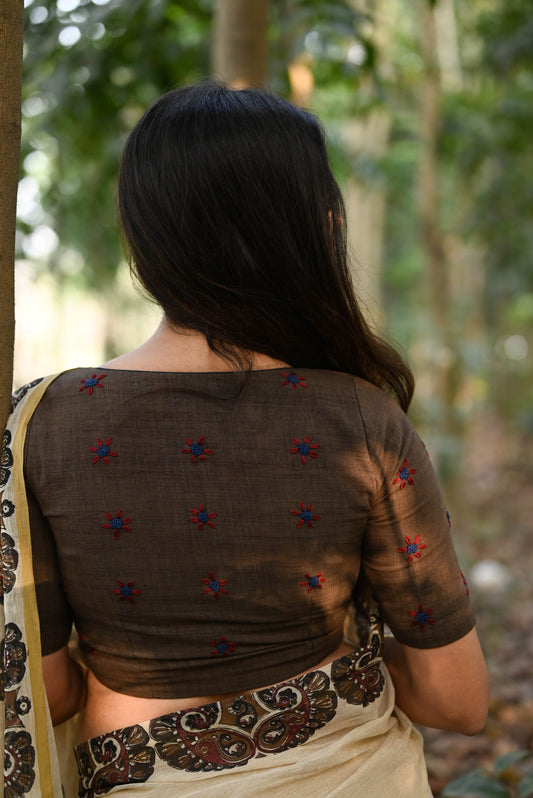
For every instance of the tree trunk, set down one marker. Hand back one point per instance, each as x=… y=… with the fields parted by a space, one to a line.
x=443 y=369
x=365 y=213
x=11 y=33
x=448 y=46
x=428 y=175
x=239 y=42
x=366 y=203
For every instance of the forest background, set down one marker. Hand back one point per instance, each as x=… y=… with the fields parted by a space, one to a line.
x=428 y=105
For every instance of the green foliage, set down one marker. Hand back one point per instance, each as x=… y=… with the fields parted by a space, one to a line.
x=89 y=74
x=91 y=67
x=525 y=789
x=502 y=781
x=485 y=194
x=507 y=33
x=335 y=40
x=486 y=141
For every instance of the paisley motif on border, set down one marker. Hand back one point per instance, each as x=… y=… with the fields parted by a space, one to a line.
x=359 y=679
x=219 y=736
x=121 y=757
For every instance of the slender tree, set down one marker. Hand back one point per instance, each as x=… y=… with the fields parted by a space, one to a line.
x=446 y=364
x=240 y=42
x=430 y=113
x=11 y=33
x=368 y=136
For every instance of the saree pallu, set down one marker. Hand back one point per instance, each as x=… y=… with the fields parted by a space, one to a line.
x=332 y=732
x=31 y=765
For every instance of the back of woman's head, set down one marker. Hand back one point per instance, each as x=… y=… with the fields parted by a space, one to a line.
x=235 y=224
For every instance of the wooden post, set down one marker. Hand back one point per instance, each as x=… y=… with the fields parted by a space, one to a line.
x=11 y=37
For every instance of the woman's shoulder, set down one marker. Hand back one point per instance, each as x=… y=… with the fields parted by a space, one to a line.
x=59 y=378
x=387 y=426
x=373 y=402
x=42 y=385
x=54 y=393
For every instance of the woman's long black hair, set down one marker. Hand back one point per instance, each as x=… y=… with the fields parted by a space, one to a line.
x=235 y=225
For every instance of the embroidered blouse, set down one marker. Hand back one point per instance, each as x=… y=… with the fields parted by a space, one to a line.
x=205 y=532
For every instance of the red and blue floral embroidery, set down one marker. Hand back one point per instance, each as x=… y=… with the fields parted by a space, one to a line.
x=305 y=515
x=214 y=585
x=292 y=379
x=127 y=591
x=197 y=450
x=92 y=382
x=84 y=643
x=202 y=517
x=404 y=475
x=117 y=523
x=422 y=617
x=222 y=648
x=102 y=451
x=304 y=448
x=412 y=549
x=313 y=582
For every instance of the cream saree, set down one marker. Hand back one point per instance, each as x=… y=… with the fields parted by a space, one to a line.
x=332 y=732
x=31 y=766
x=301 y=737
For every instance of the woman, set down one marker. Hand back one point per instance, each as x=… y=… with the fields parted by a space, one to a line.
x=205 y=507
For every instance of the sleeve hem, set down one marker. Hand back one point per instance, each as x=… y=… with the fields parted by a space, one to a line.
x=434 y=640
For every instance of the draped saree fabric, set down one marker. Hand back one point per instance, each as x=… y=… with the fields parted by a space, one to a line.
x=309 y=736
x=31 y=767
x=332 y=732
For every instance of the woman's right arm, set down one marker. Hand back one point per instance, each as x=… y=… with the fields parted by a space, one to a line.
x=409 y=561
x=445 y=687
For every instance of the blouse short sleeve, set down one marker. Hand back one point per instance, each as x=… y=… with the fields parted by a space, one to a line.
x=55 y=615
x=408 y=553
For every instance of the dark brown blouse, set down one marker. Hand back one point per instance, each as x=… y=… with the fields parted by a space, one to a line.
x=205 y=532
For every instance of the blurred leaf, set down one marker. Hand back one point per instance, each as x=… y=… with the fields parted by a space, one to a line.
x=525 y=788
x=476 y=784
x=505 y=761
